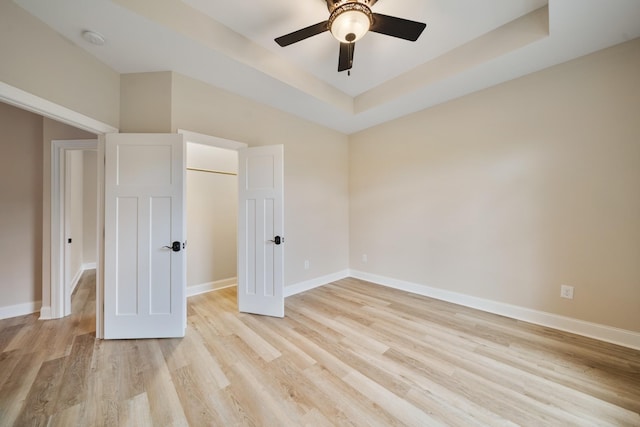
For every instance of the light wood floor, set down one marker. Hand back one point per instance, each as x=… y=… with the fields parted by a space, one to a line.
x=349 y=353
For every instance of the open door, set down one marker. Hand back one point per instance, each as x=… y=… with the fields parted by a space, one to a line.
x=144 y=258
x=260 y=230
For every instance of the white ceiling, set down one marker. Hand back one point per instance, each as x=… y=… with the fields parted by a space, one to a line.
x=378 y=57
x=468 y=45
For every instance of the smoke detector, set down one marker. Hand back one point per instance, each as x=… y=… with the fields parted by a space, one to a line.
x=93 y=37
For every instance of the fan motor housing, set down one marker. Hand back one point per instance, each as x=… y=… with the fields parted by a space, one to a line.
x=333 y=4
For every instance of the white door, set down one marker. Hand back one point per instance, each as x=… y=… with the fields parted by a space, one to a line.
x=260 y=230
x=144 y=273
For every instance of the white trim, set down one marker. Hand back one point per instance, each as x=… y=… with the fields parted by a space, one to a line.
x=27 y=101
x=19 y=309
x=214 y=141
x=100 y=241
x=597 y=331
x=211 y=286
x=314 y=283
x=75 y=280
x=45 y=313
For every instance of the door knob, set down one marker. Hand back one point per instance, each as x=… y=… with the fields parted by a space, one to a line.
x=277 y=240
x=175 y=247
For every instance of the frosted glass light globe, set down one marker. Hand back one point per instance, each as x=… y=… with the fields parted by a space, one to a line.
x=350 y=26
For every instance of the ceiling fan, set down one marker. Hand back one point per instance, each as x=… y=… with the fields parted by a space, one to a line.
x=349 y=21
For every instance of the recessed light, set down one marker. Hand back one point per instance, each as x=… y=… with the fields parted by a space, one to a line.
x=93 y=37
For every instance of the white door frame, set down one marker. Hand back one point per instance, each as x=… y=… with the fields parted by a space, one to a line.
x=212 y=141
x=30 y=102
x=19 y=98
x=60 y=296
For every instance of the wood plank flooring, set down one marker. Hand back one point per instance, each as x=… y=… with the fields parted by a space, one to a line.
x=349 y=353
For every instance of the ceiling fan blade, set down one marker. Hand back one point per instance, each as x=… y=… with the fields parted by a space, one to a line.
x=397 y=27
x=302 y=34
x=345 y=60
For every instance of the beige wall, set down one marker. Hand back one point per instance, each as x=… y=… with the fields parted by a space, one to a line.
x=316 y=160
x=212 y=211
x=510 y=192
x=315 y=170
x=20 y=206
x=90 y=204
x=38 y=60
x=145 y=102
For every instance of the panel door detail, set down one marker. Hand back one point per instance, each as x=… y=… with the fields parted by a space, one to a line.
x=145 y=278
x=261 y=230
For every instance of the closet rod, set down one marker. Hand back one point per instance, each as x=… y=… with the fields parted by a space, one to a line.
x=211 y=171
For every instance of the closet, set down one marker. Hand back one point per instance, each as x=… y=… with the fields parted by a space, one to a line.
x=212 y=200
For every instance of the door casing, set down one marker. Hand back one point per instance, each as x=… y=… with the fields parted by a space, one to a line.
x=60 y=298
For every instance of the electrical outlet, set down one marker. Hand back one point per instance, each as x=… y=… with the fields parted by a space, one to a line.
x=566 y=291
x=364 y=258
x=306 y=264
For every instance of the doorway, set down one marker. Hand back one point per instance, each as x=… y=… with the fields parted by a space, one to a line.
x=212 y=212
x=212 y=187
x=260 y=256
x=74 y=229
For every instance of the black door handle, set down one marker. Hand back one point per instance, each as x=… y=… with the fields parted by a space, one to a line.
x=175 y=247
x=277 y=240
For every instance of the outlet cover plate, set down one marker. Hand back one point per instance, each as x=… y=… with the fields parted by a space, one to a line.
x=566 y=291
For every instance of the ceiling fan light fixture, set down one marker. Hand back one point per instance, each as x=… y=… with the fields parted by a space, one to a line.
x=349 y=22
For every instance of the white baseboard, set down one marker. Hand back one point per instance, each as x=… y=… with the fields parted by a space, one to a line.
x=88 y=266
x=600 y=332
x=211 y=286
x=314 y=283
x=45 y=313
x=76 y=280
x=19 y=309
